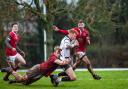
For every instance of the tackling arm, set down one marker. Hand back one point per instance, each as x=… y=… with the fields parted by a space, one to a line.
x=64 y=62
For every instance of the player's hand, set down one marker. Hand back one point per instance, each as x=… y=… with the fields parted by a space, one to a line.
x=76 y=43
x=55 y=28
x=13 y=49
x=88 y=40
x=67 y=61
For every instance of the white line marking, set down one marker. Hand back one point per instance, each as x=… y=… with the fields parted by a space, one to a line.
x=96 y=69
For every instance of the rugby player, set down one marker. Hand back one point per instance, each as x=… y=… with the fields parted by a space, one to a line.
x=14 y=55
x=66 y=46
x=39 y=70
x=83 y=40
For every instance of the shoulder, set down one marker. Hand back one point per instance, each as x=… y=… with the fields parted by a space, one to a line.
x=66 y=39
x=11 y=33
x=52 y=57
x=75 y=28
x=86 y=30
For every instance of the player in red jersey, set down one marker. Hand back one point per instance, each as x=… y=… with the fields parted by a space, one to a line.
x=13 y=53
x=84 y=40
x=39 y=70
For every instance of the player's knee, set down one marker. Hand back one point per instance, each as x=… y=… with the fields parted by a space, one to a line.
x=73 y=78
x=88 y=64
x=23 y=63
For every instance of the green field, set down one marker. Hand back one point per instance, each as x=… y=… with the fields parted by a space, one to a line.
x=110 y=80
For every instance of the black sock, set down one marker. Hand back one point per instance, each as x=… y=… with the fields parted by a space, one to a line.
x=15 y=69
x=74 y=68
x=62 y=74
x=66 y=79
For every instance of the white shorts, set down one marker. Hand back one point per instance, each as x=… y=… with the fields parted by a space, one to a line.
x=81 y=54
x=12 y=58
x=63 y=58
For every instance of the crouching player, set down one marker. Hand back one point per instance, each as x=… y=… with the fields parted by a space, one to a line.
x=39 y=70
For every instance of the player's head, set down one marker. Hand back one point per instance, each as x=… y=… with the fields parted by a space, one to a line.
x=14 y=27
x=57 y=51
x=72 y=34
x=81 y=24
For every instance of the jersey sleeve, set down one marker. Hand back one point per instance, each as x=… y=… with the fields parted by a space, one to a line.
x=65 y=32
x=7 y=42
x=53 y=59
x=8 y=38
x=11 y=34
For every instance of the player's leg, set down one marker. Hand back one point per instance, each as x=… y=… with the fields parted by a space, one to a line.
x=77 y=63
x=6 y=77
x=17 y=76
x=7 y=74
x=89 y=67
x=63 y=73
x=71 y=75
x=11 y=63
x=78 y=58
x=33 y=74
x=20 y=61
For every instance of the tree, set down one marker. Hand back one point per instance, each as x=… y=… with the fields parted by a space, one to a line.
x=54 y=8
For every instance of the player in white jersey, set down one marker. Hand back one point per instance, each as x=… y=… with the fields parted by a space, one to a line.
x=66 y=45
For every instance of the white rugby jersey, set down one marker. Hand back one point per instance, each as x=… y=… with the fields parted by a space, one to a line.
x=65 y=43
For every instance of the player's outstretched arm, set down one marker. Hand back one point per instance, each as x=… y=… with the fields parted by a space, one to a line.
x=55 y=28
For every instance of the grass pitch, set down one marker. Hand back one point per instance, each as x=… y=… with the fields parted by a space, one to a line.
x=110 y=80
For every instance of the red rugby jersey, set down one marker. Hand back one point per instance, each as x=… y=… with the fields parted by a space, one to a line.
x=49 y=66
x=13 y=42
x=81 y=37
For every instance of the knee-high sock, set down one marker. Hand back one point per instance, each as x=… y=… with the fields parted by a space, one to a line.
x=62 y=74
x=66 y=79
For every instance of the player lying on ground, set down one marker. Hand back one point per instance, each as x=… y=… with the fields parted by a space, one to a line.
x=39 y=70
x=83 y=39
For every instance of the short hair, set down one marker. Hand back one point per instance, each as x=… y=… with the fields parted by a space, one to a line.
x=14 y=23
x=72 y=31
x=57 y=48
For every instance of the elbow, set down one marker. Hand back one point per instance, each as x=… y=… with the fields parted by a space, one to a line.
x=6 y=41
